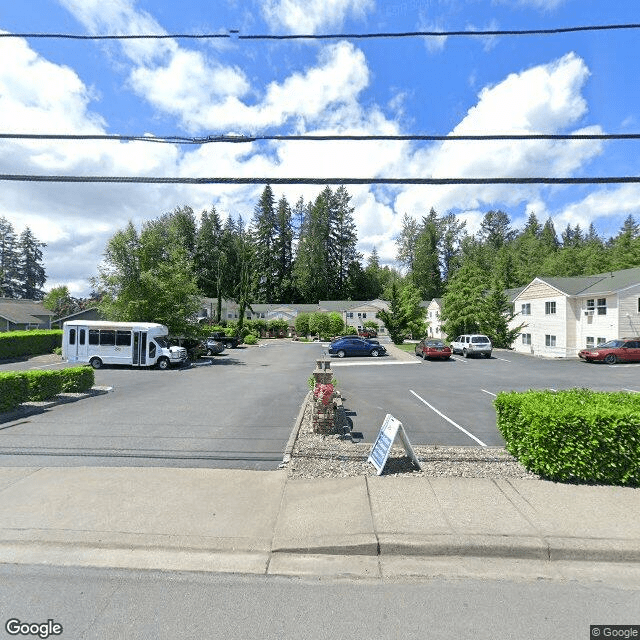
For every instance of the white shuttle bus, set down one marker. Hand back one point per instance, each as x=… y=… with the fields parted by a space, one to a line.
x=138 y=344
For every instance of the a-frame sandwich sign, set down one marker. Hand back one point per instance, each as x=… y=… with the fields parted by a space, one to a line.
x=391 y=428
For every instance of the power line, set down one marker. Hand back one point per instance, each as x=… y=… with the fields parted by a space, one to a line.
x=332 y=36
x=317 y=138
x=319 y=181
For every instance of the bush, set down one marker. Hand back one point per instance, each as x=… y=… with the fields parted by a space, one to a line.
x=17 y=344
x=250 y=339
x=574 y=435
x=13 y=390
x=17 y=387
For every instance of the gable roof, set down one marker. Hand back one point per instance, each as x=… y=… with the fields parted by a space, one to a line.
x=601 y=283
x=23 y=311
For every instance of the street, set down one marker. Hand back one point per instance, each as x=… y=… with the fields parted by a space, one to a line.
x=132 y=605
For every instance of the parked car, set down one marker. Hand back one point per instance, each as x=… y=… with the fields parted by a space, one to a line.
x=433 y=348
x=195 y=348
x=473 y=344
x=620 y=350
x=228 y=341
x=213 y=346
x=367 y=333
x=354 y=346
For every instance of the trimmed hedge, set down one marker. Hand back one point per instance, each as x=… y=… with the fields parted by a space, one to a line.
x=17 y=387
x=17 y=344
x=576 y=435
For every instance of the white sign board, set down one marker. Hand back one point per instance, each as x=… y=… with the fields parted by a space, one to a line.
x=390 y=429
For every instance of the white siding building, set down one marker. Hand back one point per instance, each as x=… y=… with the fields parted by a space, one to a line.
x=564 y=315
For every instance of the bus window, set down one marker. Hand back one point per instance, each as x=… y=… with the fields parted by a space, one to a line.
x=107 y=337
x=94 y=336
x=82 y=332
x=72 y=336
x=152 y=349
x=123 y=338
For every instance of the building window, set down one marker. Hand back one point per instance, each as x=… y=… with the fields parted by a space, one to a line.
x=350 y=314
x=550 y=307
x=550 y=341
x=229 y=315
x=601 y=341
x=526 y=309
x=526 y=338
x=591 y=342
x=591 y=304
x=638 y=305
x=602 y=306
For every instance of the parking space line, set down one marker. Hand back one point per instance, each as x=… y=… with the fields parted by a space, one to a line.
x=375 y=362
x=449 y=420
x=503 y=359
x=459 y=360
x=631 y=390
x=489 y=392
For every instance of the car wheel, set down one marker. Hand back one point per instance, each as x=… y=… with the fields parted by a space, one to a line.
x=465 y=353
x=209 y=352
x=341 y=353
x=96 y=363
x=610 y=359
x=163 y=364
x=487 y=355
x=375 y=353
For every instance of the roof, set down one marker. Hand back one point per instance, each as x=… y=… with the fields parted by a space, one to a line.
x=23 y=311
x=601 y=283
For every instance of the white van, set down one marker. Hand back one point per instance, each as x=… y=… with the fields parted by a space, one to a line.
x=474 y=344
x=138 y=344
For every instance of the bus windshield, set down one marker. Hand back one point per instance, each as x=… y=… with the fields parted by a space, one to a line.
x=162 y=341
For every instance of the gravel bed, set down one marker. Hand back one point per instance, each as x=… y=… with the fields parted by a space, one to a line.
x=333 y=456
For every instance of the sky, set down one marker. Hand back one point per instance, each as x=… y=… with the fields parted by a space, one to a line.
x=559 y=84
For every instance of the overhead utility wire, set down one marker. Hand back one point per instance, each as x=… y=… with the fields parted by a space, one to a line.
x=331 y=36
x=319 y=181
x=312 y=137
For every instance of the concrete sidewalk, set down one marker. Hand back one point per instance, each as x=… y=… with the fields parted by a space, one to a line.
x=263 y=522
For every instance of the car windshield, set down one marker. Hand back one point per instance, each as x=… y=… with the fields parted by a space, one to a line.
x=435 y=343
x=612 y=344
x=477 y=339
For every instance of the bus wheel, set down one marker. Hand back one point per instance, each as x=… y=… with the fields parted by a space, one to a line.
x=96 y=363
x=163 y=364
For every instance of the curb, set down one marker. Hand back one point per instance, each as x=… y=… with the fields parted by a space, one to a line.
x=288 y=450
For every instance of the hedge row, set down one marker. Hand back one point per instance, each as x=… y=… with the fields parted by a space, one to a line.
x=576 y=435
x=17 y=344
x=17 y=387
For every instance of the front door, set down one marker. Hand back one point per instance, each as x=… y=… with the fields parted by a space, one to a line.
x=139 y=348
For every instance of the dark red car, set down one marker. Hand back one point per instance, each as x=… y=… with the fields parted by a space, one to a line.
x=429 y=348
x=620 y=350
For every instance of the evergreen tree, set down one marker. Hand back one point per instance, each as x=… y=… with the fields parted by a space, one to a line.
x=395 y=319
x=9 y=283
x=406 y=242
x=31 y=273
x=264 y=234
x=426 y=265
x=497 y=315
x=343 y=240
x=283 y=249
x=625 y=247
x=464 y=305
x=209 y=259
x=452 y=233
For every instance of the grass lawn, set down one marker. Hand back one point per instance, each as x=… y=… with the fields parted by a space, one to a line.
x=409 y=347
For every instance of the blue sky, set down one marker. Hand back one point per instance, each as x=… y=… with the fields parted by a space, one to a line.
x=582 y=82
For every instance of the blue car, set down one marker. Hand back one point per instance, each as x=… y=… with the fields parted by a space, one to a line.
x=354 y=346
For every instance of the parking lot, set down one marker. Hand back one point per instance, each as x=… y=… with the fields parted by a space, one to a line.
x=237 y=410
x=451 y=402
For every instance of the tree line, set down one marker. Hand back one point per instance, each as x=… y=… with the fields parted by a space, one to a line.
x=22 y=274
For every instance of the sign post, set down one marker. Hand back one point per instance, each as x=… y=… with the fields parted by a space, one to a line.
x=390 y=429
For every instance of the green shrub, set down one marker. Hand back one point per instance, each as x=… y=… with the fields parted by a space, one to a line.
x=13 y=390
x=77 y=379
x=43 y=385
x=17 y=387
x=17 y=344
x=250 y=339
x=574 y=435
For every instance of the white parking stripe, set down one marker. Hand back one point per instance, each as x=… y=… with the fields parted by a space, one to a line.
x=631 y=390
x=489 y=392
x=449 y=420
x=375 y=361
x=503 y=359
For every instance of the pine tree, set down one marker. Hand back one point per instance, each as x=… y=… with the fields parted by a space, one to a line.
x=9 y=282
x=283 y=251
x=264 y=235
x=426 y=265
x=406 y=242
x=464 y=305
x=31 y=273
x=343 y=241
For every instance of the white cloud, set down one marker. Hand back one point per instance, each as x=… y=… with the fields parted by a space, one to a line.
x=312 y=16
x=543 y=99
